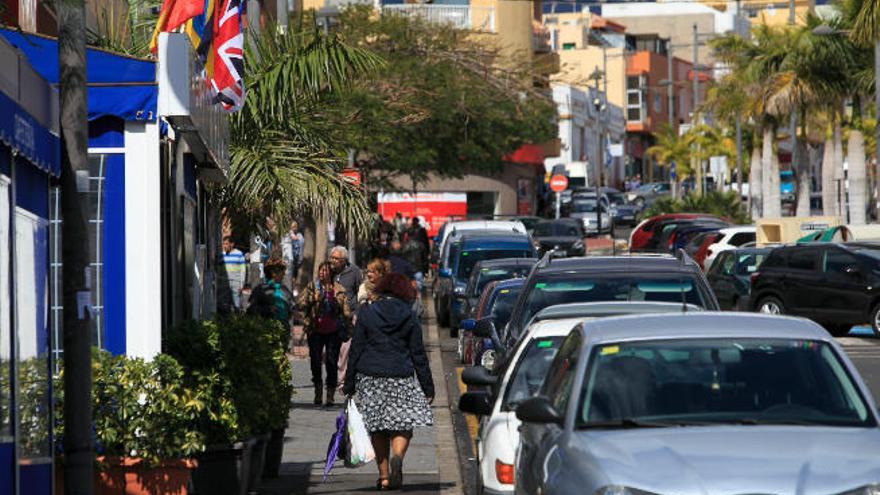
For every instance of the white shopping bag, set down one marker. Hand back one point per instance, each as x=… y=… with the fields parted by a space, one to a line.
x=359 y=449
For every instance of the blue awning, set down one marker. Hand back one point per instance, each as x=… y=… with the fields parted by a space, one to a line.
x=119 y=86
x=21 y=132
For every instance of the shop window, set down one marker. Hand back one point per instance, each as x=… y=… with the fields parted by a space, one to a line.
x=634 y=99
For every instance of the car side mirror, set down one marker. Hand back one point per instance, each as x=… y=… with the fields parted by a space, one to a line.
x=445 y=273
x=538 y=410
x=478 y=376
x=484 y=328
x=479 y=403
x=467 y=324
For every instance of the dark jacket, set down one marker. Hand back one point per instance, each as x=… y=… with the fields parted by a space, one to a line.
x=350 y=278
x=387 y=342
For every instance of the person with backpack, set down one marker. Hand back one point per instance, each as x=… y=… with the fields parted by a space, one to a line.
x=326 y=312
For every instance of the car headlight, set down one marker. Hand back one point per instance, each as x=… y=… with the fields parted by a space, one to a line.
x=873 y=489
x=488 y=360
x=459 y=290
x=620 y=490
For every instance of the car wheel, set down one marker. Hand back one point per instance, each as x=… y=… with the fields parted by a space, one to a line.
x=639 y=202
x=771 y=306
x=875 y=320
x=837 y=329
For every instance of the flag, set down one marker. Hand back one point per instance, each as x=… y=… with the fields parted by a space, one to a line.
x=228 y=55
x=200 y=30
x=174 y=14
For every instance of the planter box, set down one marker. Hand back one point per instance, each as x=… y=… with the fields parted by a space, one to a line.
x=274 y=451
x=130 y=476
x=258 y=459
x=224 y=470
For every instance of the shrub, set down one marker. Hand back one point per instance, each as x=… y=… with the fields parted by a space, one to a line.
x=723 y=204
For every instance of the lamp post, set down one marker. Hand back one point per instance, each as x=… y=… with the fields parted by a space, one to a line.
x=600 y=164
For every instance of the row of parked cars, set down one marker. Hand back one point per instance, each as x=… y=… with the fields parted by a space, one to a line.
x=618 y=374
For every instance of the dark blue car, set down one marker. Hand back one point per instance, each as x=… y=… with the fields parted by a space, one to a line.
x=478 y=247
x=496 y=303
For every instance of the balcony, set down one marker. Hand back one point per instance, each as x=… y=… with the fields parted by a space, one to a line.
x=457 y=16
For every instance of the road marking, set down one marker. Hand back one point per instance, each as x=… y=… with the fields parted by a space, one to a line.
x=470 y=419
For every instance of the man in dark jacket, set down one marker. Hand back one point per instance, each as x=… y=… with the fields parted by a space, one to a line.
x=347 y=275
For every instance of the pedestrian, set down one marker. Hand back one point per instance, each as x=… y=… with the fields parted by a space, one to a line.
x=292 y=251
x=389 y=377
x=399 y=224
x=272 y=299
x=347 y=275
x=418 y=233
x=376 y=269
x=232 y=277
x=404 y=261
x=325 y=312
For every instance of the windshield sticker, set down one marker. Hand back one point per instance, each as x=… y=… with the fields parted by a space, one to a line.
x=505 y=291
x=465 y=253
x=609 y=350
x=545 y=343
x=540 y=285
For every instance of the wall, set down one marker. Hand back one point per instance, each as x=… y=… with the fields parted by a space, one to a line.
x=671 y=21
x=577 y=65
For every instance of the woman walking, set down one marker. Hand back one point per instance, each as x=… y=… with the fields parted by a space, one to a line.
x=325 y=310
x=389 y=373
x=376 y=269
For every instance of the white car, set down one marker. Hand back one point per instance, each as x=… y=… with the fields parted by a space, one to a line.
x=465 y=225
x=731 y=238
x=498 y=435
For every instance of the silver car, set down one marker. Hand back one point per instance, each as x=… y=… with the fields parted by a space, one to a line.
x=699 y=404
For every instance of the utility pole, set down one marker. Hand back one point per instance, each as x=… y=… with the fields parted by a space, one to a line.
x=739 y=170
x=78 y=448
x=597 y=104
x=670 y=101
x=696 y=75
x=877 y=108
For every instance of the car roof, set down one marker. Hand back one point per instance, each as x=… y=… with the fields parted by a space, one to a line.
x=706 y=324
x=620 y=263
x=605 y=309
x=559 y=327
x=561 y=220
x=506 y=262
x=494 y=239
x=508 y=283
x=472 y=234
x=487 y=224
x=738 y=229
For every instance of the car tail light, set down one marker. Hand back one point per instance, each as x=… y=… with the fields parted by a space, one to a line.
x=753 y=277
x=504 y=472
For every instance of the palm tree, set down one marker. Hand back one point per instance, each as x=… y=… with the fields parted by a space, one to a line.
x=670 y=148
x=866 y=21
x=756 y=196
x=281 y=165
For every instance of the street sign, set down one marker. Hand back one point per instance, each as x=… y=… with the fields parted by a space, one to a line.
x=558 y=183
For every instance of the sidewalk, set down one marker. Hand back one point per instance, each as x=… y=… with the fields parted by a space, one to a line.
x=430 y=466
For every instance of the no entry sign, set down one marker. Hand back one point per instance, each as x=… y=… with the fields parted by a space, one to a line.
x=558 y=183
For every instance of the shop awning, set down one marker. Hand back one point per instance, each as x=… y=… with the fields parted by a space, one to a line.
x=118 y=86
x=530 y=154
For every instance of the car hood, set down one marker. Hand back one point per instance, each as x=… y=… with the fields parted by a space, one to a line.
x=735 y=459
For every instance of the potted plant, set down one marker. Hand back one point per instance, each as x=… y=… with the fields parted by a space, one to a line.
x=145 y=422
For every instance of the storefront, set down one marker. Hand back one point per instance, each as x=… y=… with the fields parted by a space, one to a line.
x=29 y=163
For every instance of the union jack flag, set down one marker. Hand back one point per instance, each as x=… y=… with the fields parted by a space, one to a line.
x=228 y=55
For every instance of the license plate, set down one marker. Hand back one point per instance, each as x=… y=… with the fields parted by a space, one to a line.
x=560 y=252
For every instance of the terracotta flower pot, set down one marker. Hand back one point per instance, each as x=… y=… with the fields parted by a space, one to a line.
x=130 y=476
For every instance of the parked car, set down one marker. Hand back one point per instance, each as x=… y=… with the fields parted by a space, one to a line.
x=487 y=271
x=623 y=212
x=564 y=236
x=646 y=234
x=449 y=228
x=682 y=236
x=496 y=304
x=498 y=436
x=698 y=403
x=473 y=247
x=731 y=238
x=655 y=278
x=703 y=249
x=669 y=231
x=646 y=194
x=836 y=285
x=730 y=276
x=584 y=208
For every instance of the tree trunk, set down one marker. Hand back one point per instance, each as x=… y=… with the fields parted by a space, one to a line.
x=756 y=184
x=803 y=179
x=774 y=200
x=766 y=166
x=838 y=169
x=322 y=241
x=829 y=206
x=78 y=446
x=858 y=179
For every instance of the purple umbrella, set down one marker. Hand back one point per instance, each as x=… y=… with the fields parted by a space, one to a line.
x=336 y=444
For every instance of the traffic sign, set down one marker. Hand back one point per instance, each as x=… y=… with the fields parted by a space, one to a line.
x=558 y=183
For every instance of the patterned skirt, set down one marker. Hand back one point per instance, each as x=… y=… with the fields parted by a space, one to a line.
x=392 y=404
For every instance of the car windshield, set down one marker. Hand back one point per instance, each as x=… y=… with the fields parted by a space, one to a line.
x=488 y=275
x=528 y=376
x=616 y=199
x=549 y=229
x=583 y=206
x=502 y=306
x=739 y=381
x=468 y=258
x=581 y=288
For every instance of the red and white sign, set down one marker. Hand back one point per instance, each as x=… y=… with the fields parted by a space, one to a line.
x=558 y=183
x=433 y=209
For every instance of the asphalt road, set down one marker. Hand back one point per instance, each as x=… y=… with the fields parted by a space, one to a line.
x=860 y=345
